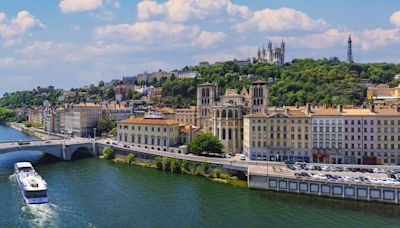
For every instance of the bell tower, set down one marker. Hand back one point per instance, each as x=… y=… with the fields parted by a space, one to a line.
x=206 y=96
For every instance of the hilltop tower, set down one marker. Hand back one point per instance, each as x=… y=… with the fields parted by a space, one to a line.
x=349 y=51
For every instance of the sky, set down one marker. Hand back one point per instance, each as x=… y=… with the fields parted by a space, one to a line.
x=72 y=43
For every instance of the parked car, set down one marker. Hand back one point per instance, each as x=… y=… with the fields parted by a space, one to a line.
x=108 y=142
x=242 y=157
x=114 y=143
x=126 y=145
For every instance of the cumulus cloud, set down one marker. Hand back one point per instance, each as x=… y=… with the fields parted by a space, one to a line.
x=279 y=20
x=395 y=18
x=74 y=6
x=170 y=34
x=183 y=10
x=207 y=39
x=12 y=30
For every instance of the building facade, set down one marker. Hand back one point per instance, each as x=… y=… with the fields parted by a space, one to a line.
x=223 y=115
x=151 y=132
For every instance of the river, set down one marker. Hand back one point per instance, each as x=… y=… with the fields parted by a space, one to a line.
x=96 y=193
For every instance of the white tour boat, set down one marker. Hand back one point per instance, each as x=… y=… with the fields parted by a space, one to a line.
x=31 y=185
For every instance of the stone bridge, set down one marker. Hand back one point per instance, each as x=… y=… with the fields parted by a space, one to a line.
x=63 y=149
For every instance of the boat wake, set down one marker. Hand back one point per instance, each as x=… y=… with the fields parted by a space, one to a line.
x=40 y=215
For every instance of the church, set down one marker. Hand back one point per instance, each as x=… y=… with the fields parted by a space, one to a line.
x=223 y=115
x=274 y=55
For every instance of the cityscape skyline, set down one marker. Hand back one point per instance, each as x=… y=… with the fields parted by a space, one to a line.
x=71 y=43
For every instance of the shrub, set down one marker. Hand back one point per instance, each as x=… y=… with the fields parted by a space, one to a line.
x=165 y=163
x=108 y=152
x=174 y=165
x=183 y=165
x=130 y=158
x=158 y=161
x=215 y=172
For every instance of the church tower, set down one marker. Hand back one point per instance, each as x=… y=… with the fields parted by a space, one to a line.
x=206 y=98
x=270 y=53
x=349 y=51
x=259 y=96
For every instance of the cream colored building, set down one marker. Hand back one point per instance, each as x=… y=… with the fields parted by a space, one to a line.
x=82 y=119
x=186 y=115
x=150 y=132
x=278 y=135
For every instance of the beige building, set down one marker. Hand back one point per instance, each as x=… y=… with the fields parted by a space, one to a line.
x=82 y=119
x=382 y=94
x=151 y=132
x=278 y=135
x=186 y=115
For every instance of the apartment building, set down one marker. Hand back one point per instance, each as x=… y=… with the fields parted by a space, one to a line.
x=82 y=119
x=186 y=115
x=153 y=132
x=277 y=135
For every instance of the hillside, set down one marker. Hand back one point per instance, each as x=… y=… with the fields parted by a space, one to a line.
x=301 y=81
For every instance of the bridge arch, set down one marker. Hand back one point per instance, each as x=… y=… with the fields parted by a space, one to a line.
x=81 y=152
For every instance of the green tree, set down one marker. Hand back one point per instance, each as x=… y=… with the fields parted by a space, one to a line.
x=183 y=165
x=101 y=84
x=130 y=158
x=165 y=163
x=105 y=125
x=113 y=132
x=5 y=113
x=108 y=152
x=205 y=143
x=174 y=165
x=158 y=161
x=128 y=94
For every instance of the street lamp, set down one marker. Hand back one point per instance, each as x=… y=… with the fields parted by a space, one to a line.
x=94 y=140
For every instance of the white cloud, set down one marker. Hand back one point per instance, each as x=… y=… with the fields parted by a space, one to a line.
x=101 y=48
x=395 y=18
x=165 y=34
x=13 y=30
x=74 y=6
x=183 y=10
x=378 y=37
x=207 y=39
x=279 y=20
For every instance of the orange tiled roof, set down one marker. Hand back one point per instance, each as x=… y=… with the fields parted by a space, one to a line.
x=87 y=105
x=149 y=121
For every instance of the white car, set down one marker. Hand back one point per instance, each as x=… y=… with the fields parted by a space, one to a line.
x=242 y=157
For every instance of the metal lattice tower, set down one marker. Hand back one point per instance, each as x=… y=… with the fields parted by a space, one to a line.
x=349 y=51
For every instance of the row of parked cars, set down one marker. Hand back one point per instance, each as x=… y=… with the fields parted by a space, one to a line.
x=305 y=166
x=360 y=179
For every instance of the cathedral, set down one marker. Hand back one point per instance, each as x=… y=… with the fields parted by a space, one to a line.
x=274 y=55
x=223 y=115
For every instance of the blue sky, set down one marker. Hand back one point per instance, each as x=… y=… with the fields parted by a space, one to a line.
x=71 y=43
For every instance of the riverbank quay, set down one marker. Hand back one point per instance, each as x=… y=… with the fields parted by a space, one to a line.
x=274 y=176
x=280 y=179
x=39 y=133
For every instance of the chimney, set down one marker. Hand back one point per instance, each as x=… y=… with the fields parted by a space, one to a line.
x=340 y=108
x=308 y=108
x=287 y=112
x=372 y=107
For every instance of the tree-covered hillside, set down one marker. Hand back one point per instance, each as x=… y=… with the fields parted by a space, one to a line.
x=301 y=81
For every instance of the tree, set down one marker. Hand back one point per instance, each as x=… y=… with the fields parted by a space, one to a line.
x=113 y=132
x=105 y=125
x=130 y=158
x=108 y=152
x=6 y=113
x=158 y=161
x=128 y=94
x=205 y=143
x=101 y=84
